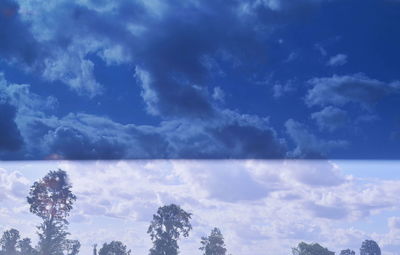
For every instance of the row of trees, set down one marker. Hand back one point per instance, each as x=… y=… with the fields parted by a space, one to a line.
x=368 y=247
x=51 y=199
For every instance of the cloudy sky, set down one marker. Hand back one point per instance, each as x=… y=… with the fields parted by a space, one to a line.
x=96 y=79
x=245 y=80
x=261 y=207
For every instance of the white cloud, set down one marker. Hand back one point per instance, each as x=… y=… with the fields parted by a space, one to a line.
x=257 y=204
x=337 y=60
x=342 y=90
x=330 y=118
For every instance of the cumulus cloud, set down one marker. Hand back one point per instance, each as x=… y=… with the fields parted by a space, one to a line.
x=281 y=89
x=330 y=118
x=157 y=38
x=307 y=144
x=341 y=90
x=84 y=136
x=394 y=223
x=329 y=212
x=13 y=185
x=171 y=57
x=337 y=60
x=246 y=199
x=168 y=57
x=29 y=118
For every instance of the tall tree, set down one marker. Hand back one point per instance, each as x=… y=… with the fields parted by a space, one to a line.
x=114 y=248
x=347 y=252
x=213 y=244
x=311 y=249
x=9 y=242
x=167 y=226
x=72 y=247
x=51 y=199
x=370 y=247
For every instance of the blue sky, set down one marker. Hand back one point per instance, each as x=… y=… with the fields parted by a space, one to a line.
x=94 y=79
x=206 y=79
x=259 y=205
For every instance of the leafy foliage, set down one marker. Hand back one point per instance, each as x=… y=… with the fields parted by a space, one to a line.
x=347 y=252
x=213 y=244
x=311 y=249
x=72 y=247
x=370 y=247
x=9 y=242
x=166 y=227
x=26 y=248
x=51 y=197
x=114 y=248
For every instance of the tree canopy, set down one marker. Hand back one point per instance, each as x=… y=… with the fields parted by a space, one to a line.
x=213 y=244
x=9 y=242
x=370 y=247
x=114 y=248
x=347 y=252
x=51 y=198
x=311 y=249
x=167 y=226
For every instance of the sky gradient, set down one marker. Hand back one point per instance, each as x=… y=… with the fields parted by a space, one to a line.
x=212 y=79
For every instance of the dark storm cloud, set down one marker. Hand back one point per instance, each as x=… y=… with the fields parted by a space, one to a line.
x=249 y=141
x=70 y=143
x=169 y=45
x=167 y=41
x=341 y=90
x=87 y=136
x=173 y=49
x=84 y=136
x=307 y=144
x=10 y=135
x=17 y=42
x=10 y=138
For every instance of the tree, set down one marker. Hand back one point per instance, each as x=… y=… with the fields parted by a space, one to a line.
x=72 y=247
x=9 y=242
x=311 y=249
x=51 y=199
x=26 y=248
x=347 y=252
x=213 y=244
x=95 y=249
x=114 y=248
x=370 y=247
x=166 y=227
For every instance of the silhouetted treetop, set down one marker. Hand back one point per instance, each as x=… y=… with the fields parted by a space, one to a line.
x=114 y=248
x=213 y=244
x=9 y=242
x=347 y=252
x=51 y=197
x=370 y=247
x=311 y=249
x=167 y=226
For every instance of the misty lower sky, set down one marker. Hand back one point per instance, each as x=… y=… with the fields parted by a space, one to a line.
x=261 y=207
